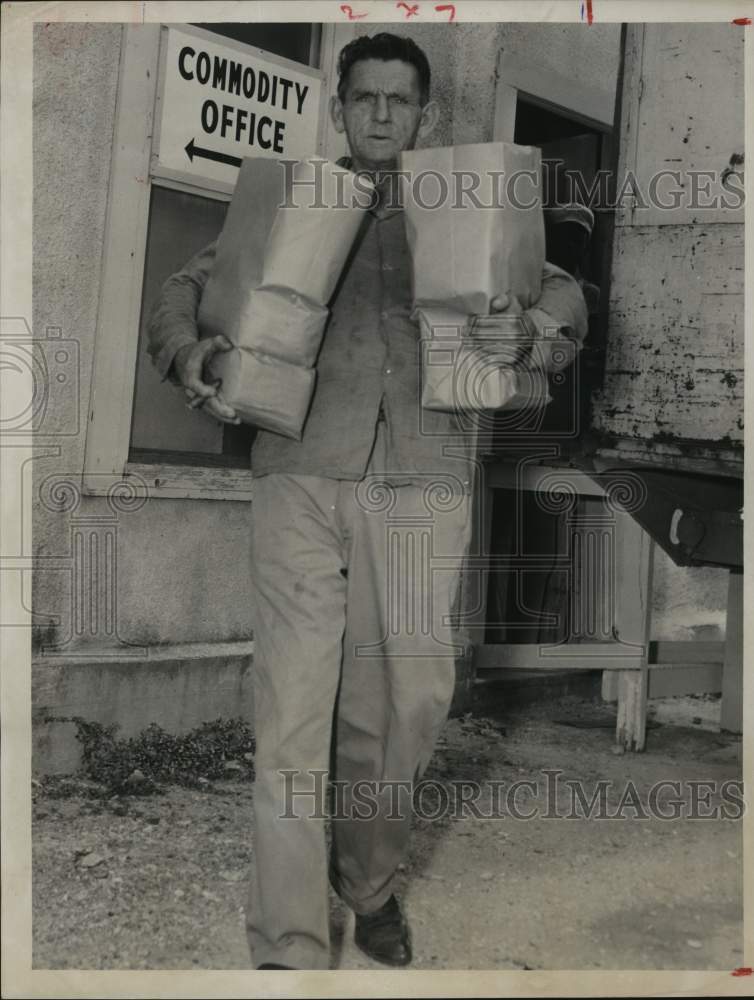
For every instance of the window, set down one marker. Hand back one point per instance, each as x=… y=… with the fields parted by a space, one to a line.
x=180 y=224
x=166 y=203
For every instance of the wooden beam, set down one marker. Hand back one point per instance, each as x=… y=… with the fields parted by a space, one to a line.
x=113 y=377
x=717 y=461
x=697 y=668
x=568 y=656
x=528 y=476
x=475 y=578
x=634 y=560
x=609 y=685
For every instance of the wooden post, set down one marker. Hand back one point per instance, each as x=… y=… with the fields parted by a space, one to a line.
x=609 y=685
x=732 y=708
x=634 y=559
x=595 y=575
x=472 y=601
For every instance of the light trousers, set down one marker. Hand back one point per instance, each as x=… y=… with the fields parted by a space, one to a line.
x=354 y=588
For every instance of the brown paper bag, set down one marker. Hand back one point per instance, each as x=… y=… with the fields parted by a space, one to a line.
x=475 y=230
x=239 y=258
x=310 y=241
x=287 y=234
x=466 y=250
x=472 y=364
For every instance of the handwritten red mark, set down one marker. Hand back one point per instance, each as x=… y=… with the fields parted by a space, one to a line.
x=741 y=20
x=411 y=11
x=348 y=11
x=744 y=970
x=589 y=12
x=447 y=6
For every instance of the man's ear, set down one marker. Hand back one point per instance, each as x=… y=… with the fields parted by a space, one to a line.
x=430 y=117
x=336 y=113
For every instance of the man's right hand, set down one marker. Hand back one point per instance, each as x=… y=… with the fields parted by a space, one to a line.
x=189 y=363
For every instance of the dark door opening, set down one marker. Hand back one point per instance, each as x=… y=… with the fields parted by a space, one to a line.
x=535 y=605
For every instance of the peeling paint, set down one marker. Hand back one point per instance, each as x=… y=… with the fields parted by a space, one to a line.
x=665 y=365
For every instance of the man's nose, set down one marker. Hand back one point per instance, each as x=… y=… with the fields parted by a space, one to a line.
x=381 y=108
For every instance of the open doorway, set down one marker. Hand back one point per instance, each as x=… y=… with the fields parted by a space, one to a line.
x=536 y=605
x=575 y=155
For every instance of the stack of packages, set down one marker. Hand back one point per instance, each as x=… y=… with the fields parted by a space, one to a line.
x=466 y=250
x=285 y=241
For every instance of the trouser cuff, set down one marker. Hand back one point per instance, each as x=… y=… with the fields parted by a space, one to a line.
x=295 y=956
x=363 y=904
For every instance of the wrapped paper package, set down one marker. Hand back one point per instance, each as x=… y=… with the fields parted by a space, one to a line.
x=465 y=251
x=264 y=391
x=469 y=364
x=287 y=235
x=282 y=323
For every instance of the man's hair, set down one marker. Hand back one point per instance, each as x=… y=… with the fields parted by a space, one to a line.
x=384 y=47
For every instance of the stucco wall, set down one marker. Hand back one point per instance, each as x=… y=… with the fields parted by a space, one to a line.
x=587 y=55
x=182 y=567
x=463 y=59
x=75 y=83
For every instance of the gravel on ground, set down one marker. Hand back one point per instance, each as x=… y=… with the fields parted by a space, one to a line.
x=160 y=881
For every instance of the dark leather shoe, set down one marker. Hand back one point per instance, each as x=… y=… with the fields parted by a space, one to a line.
x=384 y=935
x=271 y=965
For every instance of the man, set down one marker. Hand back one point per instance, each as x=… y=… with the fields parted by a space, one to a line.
x=569 y=232
x=353 y=646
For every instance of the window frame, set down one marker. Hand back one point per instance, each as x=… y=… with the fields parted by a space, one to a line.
x=108 y=426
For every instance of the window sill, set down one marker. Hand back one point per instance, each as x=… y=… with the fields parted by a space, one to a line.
x=175 y=482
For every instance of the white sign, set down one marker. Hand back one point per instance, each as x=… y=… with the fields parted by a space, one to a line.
x=221 y=102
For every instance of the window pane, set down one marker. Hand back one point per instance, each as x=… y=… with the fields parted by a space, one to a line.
x=179 y=226
x=292 y=41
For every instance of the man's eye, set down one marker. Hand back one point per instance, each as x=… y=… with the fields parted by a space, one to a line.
x=363 y=98
x=397 y=99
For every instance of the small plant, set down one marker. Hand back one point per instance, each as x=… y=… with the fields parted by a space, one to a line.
x=137 y=764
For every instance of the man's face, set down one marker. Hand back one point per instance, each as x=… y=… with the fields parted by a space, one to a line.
x=381 y=113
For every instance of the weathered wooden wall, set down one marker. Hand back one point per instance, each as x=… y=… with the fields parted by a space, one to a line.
x=674 y=369
x=675 y=365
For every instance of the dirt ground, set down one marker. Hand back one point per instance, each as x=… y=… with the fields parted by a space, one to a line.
x=160 y=882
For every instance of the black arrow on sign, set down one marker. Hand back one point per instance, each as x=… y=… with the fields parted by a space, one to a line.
x=210 y=154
